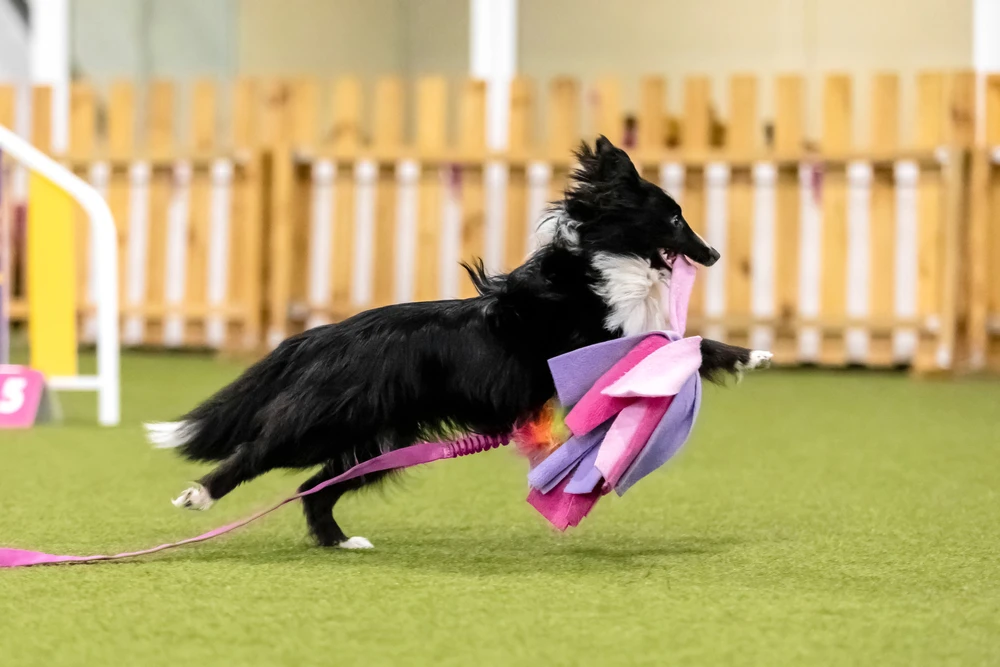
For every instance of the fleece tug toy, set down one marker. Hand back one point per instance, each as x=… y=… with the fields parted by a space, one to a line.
x=634 y=401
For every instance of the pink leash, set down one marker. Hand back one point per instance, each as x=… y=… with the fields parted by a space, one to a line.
x=414 y=455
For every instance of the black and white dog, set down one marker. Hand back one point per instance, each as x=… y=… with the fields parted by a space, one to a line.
x=340 y=394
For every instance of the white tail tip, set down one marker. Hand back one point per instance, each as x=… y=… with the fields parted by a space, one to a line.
x=167 y=435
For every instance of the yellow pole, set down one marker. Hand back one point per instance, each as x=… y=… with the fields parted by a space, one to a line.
x=51 y=279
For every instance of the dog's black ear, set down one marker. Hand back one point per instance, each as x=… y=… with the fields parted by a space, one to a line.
x=604 y=145
x=615 y=163
x=605 y=162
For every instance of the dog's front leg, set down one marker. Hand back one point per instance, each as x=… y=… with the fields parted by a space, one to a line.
x=718 y=359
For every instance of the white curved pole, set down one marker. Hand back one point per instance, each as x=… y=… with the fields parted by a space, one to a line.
x=105 y=239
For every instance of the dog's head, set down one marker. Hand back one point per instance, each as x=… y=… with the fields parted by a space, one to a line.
x=617 y=211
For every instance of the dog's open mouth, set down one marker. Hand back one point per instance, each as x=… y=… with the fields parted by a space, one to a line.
x=664 y=259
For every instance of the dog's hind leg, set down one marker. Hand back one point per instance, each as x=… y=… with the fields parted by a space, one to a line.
x=240 y=467
x=318 y=507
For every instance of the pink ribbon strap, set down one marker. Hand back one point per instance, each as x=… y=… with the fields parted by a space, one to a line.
x=424 y=452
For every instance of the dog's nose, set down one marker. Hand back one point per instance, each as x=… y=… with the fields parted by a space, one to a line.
x=713 y=257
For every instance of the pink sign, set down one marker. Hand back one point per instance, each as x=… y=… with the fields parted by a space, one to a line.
x=21 y=391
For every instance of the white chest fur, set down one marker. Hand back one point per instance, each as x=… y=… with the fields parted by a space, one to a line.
x=635 y=293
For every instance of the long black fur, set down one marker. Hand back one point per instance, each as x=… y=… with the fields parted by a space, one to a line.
x=340 y=394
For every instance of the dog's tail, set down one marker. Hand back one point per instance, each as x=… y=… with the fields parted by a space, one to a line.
x=214 y=429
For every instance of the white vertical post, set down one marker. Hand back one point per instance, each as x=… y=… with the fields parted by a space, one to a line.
x=765 y=177
x=493 y=58
x=49 y=40
x=907 y=258
x=985 y=47
x=859 y=184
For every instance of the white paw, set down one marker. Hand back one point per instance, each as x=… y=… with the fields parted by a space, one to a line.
x=356 y=543
x=195 y=498
x=759 y=359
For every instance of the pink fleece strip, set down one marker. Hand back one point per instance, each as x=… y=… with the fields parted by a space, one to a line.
x=628 y=435
x=563 y=509
x=662 y=373
x=595 y=408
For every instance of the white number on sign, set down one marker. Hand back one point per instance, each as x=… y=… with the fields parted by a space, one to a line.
x=12 y=395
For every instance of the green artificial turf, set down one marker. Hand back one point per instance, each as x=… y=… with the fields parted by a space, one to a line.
x=814 y=518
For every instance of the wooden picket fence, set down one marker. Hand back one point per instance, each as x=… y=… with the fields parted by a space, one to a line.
x=311 y=211
x=188 y=213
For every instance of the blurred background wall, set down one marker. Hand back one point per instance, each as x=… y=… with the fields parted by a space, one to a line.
x=582 y=38
x=576 y=37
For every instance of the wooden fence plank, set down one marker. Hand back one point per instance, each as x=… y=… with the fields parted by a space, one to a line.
x=160 y=144
x=82 y=146
x=836 y=138
x=519 y=141
x=960 y=133
x=563 y=130
x=977 y=253
x=431 y=126
x=41 y=118
x=387 y=136
x=121 y=145
x=304 y=137
x=202 y=142
x=930 y=136
x=742 y=141
x=8 y=99
x=882 y=244
x=652 y=118
x=305 y=113
x=606 y=103
x=246 y=232
x=788 y=140
x=694 y=142
x=345 y=139
x=992 y=110
x=472 y=142
x=956 y=298
x=276 y=132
